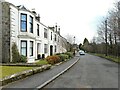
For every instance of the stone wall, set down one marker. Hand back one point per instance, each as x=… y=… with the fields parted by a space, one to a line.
x=5 y=32
x=23 y=74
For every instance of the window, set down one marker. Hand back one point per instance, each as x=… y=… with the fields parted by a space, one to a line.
x=55 y=48
x=58 y=38
x=31 y=48
x=45 y=33
x=55 y=37
x=51 y=35
x=23 y=22
x=38 y=30
x=24 y=48
x=31 y=24
x=45 y=48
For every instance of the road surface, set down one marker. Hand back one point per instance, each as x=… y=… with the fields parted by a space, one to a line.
x=89 y=72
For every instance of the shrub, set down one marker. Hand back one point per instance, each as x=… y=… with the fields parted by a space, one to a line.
x=70 y=54
x=23 y=58
x=15 y=53
x=63 y=57
x=53 y=59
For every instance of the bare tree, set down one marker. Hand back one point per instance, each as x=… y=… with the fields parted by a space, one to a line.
x=69 y=38
x=108 y=33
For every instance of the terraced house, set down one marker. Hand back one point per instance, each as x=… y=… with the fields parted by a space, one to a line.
x=23 y=27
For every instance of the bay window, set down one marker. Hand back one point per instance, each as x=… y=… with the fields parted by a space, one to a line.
x=55 y=48
x=45 y=48
x=38 y=33
x=31 y=24
x=24 y=48
x=45 y=33
x=23 y=22
x=55 y=37
x=31 y=48
x=51 y=35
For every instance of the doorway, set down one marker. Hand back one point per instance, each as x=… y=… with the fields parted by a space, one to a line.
x=51 y=50
x=38 y=51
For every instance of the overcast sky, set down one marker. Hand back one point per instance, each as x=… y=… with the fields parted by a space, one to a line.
x=78 y=18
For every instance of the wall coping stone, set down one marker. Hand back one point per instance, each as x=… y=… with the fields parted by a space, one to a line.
x=23 y=74
x=21 y=64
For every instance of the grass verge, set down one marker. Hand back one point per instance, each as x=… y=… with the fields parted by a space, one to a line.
x=112 y=58
x=42 y=62
x=9 y=70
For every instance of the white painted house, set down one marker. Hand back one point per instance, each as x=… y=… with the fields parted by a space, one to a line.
x=30 y=35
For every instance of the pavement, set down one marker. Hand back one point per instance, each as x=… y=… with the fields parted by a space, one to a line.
x=35 y=81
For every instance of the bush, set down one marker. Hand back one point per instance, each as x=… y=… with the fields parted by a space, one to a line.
x=15 y=53
x=70 y=54
x=53 y=59
x=23 y=58
x=16 y=57
x=63 y=57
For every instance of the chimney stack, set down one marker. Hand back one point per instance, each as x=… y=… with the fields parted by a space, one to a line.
x=56 y=27
x=59 y=30
x=38 y=17
x=33 y=11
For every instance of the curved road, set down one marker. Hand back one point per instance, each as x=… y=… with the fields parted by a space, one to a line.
x=89 y=72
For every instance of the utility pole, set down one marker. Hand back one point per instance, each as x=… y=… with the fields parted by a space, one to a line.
x=106 y=37
x=74 y=39
x=74 y=46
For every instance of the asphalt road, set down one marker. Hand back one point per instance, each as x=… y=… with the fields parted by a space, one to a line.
x=89 y=72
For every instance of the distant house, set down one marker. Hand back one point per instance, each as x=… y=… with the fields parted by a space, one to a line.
x=75 y=47
x=23 y=27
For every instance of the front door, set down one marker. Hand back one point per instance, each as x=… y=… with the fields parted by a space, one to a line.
x=51 y=50
x=38 y=51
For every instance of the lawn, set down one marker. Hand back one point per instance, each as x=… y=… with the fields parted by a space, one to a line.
x=42 y=62
x=9 y=70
